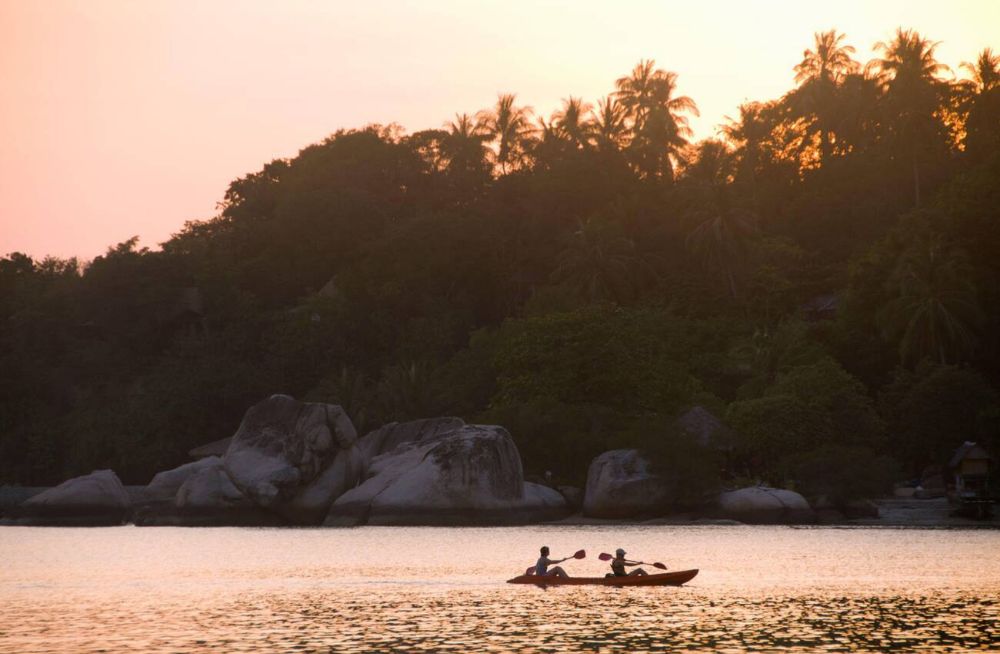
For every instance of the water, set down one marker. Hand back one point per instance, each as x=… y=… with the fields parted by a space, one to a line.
x=129 y=589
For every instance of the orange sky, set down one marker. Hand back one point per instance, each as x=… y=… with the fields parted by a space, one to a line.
x=125 y=117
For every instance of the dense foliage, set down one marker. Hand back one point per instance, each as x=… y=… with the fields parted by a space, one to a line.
x=825 y=275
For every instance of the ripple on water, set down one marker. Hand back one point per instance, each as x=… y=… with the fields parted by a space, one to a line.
x=155 y=591
x=509 y=619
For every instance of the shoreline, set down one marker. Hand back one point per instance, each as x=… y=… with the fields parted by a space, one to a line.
x=893 y=513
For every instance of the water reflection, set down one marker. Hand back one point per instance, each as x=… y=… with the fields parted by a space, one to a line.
x=359 y=591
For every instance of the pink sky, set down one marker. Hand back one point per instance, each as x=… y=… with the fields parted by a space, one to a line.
x=129 y=117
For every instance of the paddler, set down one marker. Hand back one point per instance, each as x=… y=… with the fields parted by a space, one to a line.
x=618 y=566
x=542 y=566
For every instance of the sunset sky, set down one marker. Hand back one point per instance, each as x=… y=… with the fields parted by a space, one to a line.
x=125 y=117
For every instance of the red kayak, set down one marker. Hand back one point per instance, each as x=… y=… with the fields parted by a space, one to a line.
x=665 y=579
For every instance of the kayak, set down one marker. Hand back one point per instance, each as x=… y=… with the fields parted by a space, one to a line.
x=665 y=579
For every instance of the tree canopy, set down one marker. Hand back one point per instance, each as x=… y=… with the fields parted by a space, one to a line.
x=823 y=273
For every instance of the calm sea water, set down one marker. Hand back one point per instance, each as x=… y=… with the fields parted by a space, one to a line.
x=129 y=589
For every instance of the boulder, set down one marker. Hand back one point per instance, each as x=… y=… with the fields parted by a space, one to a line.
x=215 y=448
x=209 y=489
x=95 y=499
x=164 y=485
x=763 y=505
x=469 y=475
x=388 y=437
x=13 y=496
x=293 y=457
x=573 y=495
x=205 y=498
x=620 y=485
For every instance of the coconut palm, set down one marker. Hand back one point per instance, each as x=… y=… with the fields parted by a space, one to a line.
x=548 y=146
x=981 y=99
x=607 y=124
x=722 y=231
x=857 y=110
x=819 y=76
x=510 y=127
x=984 y=74
x=908 y=72
x=570 y=121
x=656 y=116
x=934 y=313
x=748 y=134
x=600 y=262
x=464 y=148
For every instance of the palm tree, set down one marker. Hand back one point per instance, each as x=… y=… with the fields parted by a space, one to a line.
x=600 y=263
x=748 y=134
x=981 y=100
x=464 y=149
x=819 y=75
x=908 y=71
x=984 y=73
x=510 y=126
x=934 y=313
x=657 y=121
x=722 y=231
x=857 y=110
x=607 y=124
x=571 y=123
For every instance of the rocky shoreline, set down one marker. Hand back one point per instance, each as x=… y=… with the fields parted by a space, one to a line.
x=299 y=463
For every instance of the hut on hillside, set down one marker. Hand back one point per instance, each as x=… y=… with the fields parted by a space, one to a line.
x=972 y=464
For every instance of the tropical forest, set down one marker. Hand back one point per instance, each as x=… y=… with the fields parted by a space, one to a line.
x=822 y=274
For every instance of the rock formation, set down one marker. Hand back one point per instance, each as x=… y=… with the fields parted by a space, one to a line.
x=164 y=485
x=760 y=504
x=95 y=499
x=620 y=485
x=469 y=475
x=294 y=458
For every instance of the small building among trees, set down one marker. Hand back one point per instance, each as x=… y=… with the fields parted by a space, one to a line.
x=971 y=465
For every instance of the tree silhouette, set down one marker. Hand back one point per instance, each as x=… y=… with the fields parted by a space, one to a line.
x=984 y=73
x=981 y=102
x=722 y=230
x=510 y=126
x=908 y=71
x=600 y=262
x=934 y=313
x=607 y=124
x=571 y=123
x=658 y=124
x=819 y=76
x=748 y=133
x=465 y=152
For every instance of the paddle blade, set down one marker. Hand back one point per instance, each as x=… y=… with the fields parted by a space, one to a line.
x=604 y=556
x=581 y=554
x=660 y=566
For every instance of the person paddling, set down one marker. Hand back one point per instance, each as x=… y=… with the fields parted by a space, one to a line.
x=618 y=566
x=542 y=567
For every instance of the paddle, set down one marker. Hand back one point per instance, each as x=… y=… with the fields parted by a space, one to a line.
x=581 y=554
x=607 y=557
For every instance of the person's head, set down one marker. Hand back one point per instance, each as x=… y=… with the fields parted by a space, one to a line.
x=545 y=550
x=620 y=553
